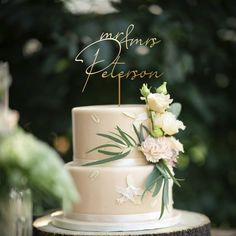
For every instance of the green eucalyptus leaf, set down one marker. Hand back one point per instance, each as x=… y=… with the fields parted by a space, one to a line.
x=166 y=193
x=146 y=129
x=175 y=108
x=141 y=133
x=162 y=201
x=162 y=170
x=109 y=153
x=113 y=158
x=170 y=174
x=126 y=140
x=104 y=146
x=151 y=178
x=131 y=138
x=137 y=134
x=117 y=135
x=158 y=186
x=165 y=197
x=111 y=138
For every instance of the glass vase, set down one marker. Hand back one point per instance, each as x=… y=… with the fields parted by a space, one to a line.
x=16 y=213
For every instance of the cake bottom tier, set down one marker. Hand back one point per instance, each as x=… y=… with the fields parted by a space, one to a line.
x=114 y=194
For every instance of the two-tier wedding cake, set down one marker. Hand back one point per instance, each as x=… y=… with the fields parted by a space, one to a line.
x=123 y=165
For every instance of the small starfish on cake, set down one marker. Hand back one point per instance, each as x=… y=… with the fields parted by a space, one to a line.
x=130 y=193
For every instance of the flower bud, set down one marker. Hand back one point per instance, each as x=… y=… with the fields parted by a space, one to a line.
x=162 y=89
x=144 y=90
x=157 y=132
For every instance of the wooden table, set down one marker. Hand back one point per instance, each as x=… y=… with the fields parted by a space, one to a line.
x=218 y=232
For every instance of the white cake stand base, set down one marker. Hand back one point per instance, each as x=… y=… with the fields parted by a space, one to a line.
x=183 y=223
x=64 y=223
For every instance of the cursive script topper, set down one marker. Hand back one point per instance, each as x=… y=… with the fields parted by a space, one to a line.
x=107 y=68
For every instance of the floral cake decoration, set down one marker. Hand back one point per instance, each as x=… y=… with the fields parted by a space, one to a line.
x=156 y=141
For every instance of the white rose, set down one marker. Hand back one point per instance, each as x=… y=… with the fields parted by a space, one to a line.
x=168 y=122
x=159 y=102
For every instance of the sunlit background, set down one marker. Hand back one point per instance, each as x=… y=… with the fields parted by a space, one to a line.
x=40 y=40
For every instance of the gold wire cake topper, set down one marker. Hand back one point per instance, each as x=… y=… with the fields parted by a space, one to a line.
x=118 y=40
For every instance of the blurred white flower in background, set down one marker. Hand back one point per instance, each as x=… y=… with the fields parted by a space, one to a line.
x=155 y=9
x=31 y=46
x=90 y=6
x=142 y=50
x=26 y=160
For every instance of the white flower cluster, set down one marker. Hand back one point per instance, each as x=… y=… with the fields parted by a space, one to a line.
x=161 y=145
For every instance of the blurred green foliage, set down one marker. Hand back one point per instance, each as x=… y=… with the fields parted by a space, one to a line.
x=40 y=40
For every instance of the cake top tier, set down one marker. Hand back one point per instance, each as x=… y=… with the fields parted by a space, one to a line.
x=91 y=120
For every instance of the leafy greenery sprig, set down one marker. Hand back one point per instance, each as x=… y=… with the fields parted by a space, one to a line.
x=159 y=179
x=123 y=143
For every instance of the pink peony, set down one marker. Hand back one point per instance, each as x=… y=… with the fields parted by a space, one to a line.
x=162 y=148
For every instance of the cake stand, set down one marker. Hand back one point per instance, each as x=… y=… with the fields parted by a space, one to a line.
x=189 y=224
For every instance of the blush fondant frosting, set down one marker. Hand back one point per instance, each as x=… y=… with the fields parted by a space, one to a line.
x=111 y=192
x=89 y=120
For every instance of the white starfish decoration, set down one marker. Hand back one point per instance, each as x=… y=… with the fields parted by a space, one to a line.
x=95 y=118
x=94 y=174
x=130 y=193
